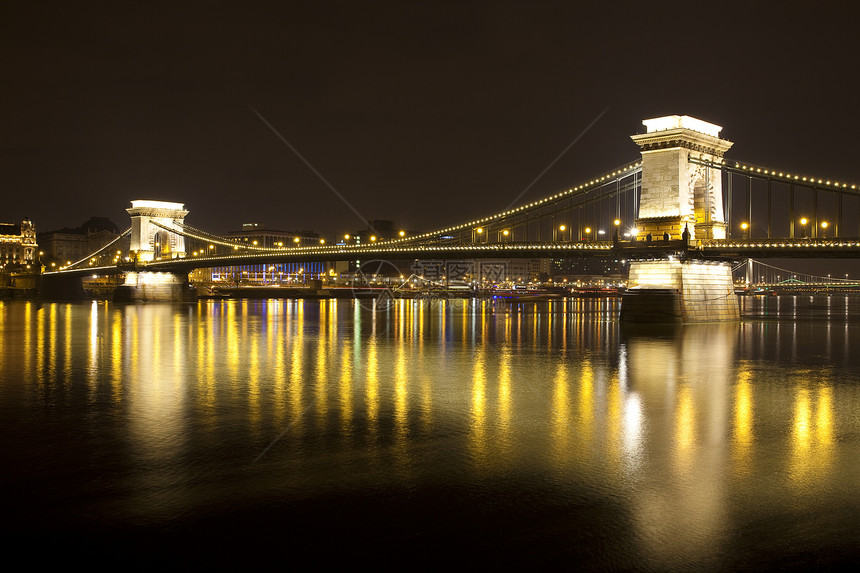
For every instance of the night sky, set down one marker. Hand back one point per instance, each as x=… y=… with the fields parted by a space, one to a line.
x=425 y=113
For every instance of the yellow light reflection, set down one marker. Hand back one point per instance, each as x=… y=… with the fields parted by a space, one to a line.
x=561 y=420
x=478 y=412
x=685 y=429
x=372 y=387
x=742 y=428
x=812 y=441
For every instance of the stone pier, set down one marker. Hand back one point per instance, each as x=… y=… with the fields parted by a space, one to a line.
x=155 y=287
x=682 y=199
x=679 y=291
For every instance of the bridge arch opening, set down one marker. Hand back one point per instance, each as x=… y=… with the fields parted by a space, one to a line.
x=701 y=202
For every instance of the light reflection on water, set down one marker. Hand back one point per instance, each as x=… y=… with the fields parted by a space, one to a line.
x=711 y=446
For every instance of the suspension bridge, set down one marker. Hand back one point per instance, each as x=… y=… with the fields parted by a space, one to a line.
x=758 y=277
x=681 y=214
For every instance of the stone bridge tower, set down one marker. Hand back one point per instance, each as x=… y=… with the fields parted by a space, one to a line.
x=150 y=241
x=678 y=190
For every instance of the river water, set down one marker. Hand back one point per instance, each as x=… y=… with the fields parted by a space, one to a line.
x=431 y=434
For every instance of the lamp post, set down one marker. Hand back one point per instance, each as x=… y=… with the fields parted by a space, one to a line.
x=823 y=229
x=745 y=227
x=803 y=222
x=561 y=230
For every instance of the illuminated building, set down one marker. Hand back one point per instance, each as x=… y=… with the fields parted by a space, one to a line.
x=17 y=243
x=587 y=270
x=74 y=244
x=258 y=235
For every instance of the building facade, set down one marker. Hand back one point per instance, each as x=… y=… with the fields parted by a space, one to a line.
x=66 y=246
x=257 y=235
x=18 y=245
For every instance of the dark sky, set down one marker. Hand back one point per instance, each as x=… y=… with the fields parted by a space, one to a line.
x=426 y=113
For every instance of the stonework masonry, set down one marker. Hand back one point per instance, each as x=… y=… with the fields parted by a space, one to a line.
x=161 y=287
x=679 y=189
x=680 y=291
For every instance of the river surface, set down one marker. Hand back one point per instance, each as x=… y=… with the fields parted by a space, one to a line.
x=430 y=434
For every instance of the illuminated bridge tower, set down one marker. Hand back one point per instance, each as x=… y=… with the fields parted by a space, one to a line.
x=681 y=198
x=150 y=241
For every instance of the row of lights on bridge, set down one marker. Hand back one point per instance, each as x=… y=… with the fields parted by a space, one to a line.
x=625 y=171
x=563 y=228
x=803 y=222
x=790 y=177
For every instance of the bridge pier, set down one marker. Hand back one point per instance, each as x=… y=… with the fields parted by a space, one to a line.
x=155 y=287
x=57 y=286
x=665 y=291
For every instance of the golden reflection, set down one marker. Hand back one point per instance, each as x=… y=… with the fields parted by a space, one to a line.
x=296 y=368
x=372 y=387
x=345 y=390
x=634 y=452
x=28 y=335
x=401 y=412
x=231 y=330
x=322 y=369
x=811 y=436
x=685 y=429
x=178 y=346
x=401 y=406
x=52 y=342
x=131 y=325
x=93 y=355
x=505 y=424
x=562 y=418
x=207 y=321
x=585 y=418
x=614 y=422
x=824 y=418
x=742 y=428
x=801 y=436
x=40 y=349
x=116 y=350
x=253 y=365
x=478 y=422
x=279 y=372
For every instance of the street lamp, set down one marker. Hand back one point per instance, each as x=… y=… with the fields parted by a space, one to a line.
x=562 y=229
x=823 y=229
x=588 y=233
x=745 y=227
x=803 y=222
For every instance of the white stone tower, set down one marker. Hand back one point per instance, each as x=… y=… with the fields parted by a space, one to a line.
x=681 y=189
x=678 y=193
x=151 y=241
